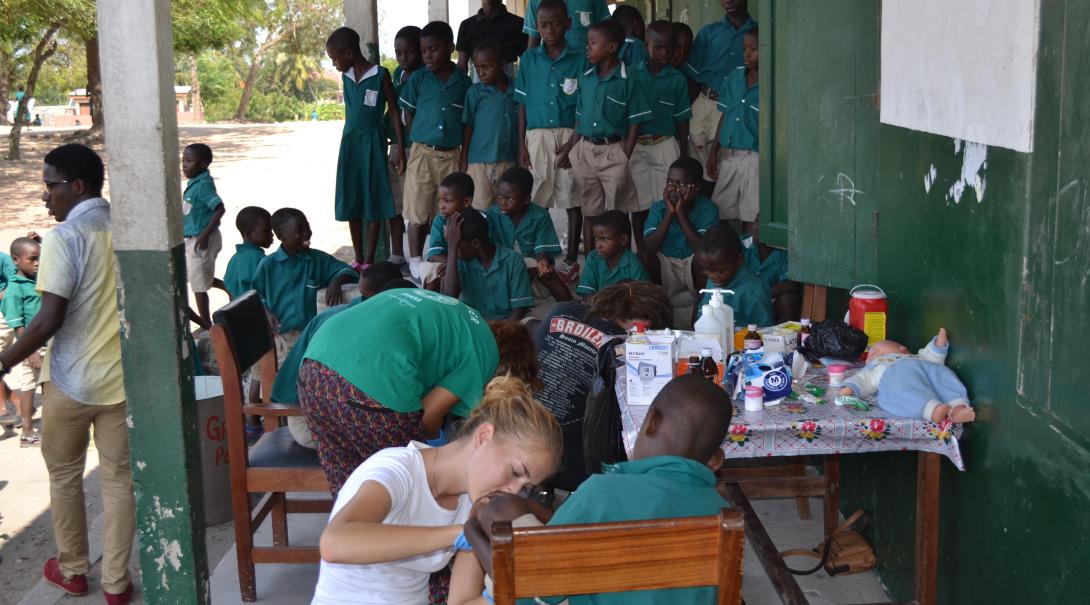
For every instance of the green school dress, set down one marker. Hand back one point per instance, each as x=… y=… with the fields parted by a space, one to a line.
x=363 y=185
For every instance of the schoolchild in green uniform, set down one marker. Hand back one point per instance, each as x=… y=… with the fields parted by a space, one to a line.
x=770 y=264
x=733 y=160
x=491 y=118
x=288 y=279
x=487 y=277
x=674 y=229
x=517 y=223
x=670 y=473
x=20 y=304
x=666 y=137
x=610 y=108
x=254 y=224
x=633 y=52
x=584 y=13
x=202 y=210
x=455 y=194
x=611 y=261
x=407 y=53
x=721 y=260
x=433 y=100
x=546 y=89
x=363 y=186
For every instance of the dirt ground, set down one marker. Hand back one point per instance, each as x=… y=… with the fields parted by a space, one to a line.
x=264 y=165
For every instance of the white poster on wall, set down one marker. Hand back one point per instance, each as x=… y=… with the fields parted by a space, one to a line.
x=961 y=68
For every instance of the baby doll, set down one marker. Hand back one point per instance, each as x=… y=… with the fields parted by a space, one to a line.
x=912 y=386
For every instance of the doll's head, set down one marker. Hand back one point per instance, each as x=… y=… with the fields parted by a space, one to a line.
x=887 y=347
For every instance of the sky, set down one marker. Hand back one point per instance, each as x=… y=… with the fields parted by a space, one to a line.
x=395 y=14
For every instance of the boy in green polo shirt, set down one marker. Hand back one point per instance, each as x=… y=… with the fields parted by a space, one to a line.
x=455 y=194
x=288 y=280
x=515 y=222
x=20 y=304
x=674 y=229
x=584 y=13
x=407 y=53
x=670 y=474
x=611 y=261
x=633 y=52
x=433 y=100
x=770 y=264
x=733 y=161
x=202 y=209
x=666 y=137
x=7 y=271
x=491 y=118
x=721 y=260
x=610 y=108
x=254 y=224
x=484 y=276
x=545 y=88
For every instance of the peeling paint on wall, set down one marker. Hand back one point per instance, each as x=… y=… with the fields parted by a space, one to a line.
x=973 y=162
x=929 y=179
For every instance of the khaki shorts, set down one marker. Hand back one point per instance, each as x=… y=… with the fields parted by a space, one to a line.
x=649 y=165
x=23 y=377
x=552 y=185
x=486 y=176
x=283 y=343
x=397 y=181
x=737 y=190
x=200 y=265
x=431 y=271
x=702 y=128
x=600 y=179
x=426 y=168
x=677 y=275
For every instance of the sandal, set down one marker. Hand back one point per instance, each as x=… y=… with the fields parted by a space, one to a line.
x=33 y=440
x=359 y=267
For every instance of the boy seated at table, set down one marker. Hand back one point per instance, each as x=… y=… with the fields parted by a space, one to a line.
x=490 y=278
x=611 y=261
x=670 y=473
x=721 y=260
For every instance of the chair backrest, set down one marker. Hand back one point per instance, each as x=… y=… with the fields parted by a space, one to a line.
x=616 y=557
x=241 y=338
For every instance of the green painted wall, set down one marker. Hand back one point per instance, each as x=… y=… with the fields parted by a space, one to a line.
x=1008 y=276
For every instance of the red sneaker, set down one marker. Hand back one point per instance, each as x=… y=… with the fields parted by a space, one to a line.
x=118 y=599
x=75 y=586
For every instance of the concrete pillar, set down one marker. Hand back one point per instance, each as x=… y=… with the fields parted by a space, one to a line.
x=135 y=40
x=439 y=11
x=362 y=16
x=473 y=6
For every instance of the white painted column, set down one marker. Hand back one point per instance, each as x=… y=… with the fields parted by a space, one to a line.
x=473 y=6
x=362 y=16
x=438 y=11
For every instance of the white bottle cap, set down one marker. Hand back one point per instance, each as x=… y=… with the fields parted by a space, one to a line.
x=706 y=352
x=752 y=327
x=805 y=321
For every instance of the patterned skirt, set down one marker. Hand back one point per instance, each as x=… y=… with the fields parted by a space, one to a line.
x=348 y=424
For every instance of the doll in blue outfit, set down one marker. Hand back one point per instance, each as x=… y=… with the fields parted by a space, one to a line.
x=913 y=386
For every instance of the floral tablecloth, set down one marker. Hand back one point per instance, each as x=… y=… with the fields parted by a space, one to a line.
x=797 y=428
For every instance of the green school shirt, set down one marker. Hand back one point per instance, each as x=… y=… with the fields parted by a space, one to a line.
x=534 y=235
x=597 y=274
x=633 y=52
x=285 y=387
x=494 y=116
x=751 y=301
x=436 y=106
x=668 y=94
x=703 y=215
x=438 y=243
x=606 y=107
x=660 y=487
x=239 y=277
x=7 y=270
x=583 y=14
x=717 y=50
x=741 y=112
x=288 y=285
x=400 y=344
x=495 y=291
x=199 y=201
x=547 y=88
x=772 y=270
x=21 y=301
x=398 y=79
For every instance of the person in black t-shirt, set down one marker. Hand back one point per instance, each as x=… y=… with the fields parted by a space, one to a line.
x=492 y=21
x=575 y=345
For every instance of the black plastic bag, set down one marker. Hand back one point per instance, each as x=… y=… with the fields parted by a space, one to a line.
x=602 y=443
x=833 y=338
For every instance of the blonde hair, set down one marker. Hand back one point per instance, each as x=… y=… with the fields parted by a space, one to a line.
x=510 y=407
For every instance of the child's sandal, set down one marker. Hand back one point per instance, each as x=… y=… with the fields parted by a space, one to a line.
x=33 y=440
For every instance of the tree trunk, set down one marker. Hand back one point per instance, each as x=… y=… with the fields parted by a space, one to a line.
x=251 y=75
x=44 y=49
x=94 y=84
x=195 y=90
x=7 y=74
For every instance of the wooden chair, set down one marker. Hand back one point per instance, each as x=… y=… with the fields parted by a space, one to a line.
x=275 y=464
x=614 y=557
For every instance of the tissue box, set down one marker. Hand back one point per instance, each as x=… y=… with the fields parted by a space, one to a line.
x=649 y=367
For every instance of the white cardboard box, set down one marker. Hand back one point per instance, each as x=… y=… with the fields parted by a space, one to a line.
x=649 y=367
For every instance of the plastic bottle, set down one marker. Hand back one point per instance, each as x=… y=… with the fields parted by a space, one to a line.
x=725 y=314
x=694 y=365
x=805 y=332
x=753 y=338
x=708 y=367
x=709 y=323
x=755 y=398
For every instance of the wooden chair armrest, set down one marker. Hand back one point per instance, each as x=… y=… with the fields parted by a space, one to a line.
x=272 y=409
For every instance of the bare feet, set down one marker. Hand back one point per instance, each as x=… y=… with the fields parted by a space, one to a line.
x=958 y=413
x=941 y=340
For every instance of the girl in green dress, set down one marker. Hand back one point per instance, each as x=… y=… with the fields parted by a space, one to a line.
x=363 y=186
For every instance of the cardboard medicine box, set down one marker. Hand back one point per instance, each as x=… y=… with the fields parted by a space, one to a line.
x=648 y=368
